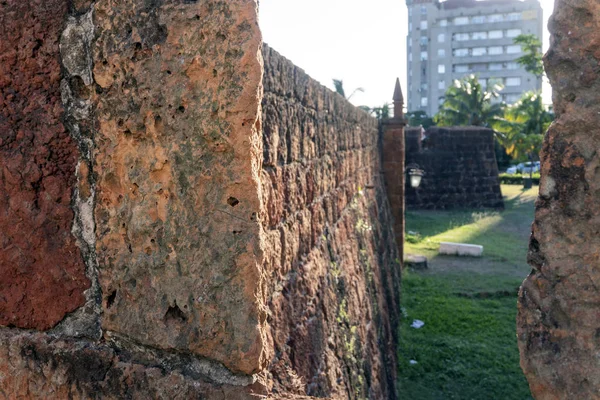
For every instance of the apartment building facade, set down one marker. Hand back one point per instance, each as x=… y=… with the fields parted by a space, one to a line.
x=451 y=39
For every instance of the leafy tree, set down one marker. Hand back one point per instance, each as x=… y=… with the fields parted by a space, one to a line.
x=532 y=59
x=467 y=104
x=338 y=84
x=522 y=129
x=380 y=113
x=416 y=118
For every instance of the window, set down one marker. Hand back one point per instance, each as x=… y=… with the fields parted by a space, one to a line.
x=494 y=81
x=513 y=49
x=443 y=22
x=513 y=81
x=423 y=86
x=423 y=10
x=511 y=33
x=479 y=19
x=495 y=18
x=495 y=66
x=409 y=26
x=495 y=50
x=441 y=101
x=423 y=56
x=461 y=36
x=441 y=53
x=423 y=40
x=409 y=57
x=423 y=25
x=441 y=38
x=461 y=68
x=483 y=83
x=423 y=101
x=461 y=21
x=495 y=34
x=441 y=85
x=479 y=67
x=441 y=69
x=513 y=16
x=461 y=52
x=512 y=65
x=479 y=35
x=479 y=51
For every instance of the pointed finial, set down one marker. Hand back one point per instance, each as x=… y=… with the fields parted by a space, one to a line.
x=398 y=100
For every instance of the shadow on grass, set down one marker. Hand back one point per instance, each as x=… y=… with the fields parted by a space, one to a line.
x=504 y=235
x=467 y=348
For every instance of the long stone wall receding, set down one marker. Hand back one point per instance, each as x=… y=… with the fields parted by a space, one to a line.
x=460 y=168
x=169 y=228
x=331 y=260
x=558 y=326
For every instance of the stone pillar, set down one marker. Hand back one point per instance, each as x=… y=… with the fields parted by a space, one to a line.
x=130 y=153
x=558 y=322
x=393 y=164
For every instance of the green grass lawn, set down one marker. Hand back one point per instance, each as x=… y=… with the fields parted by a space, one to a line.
x=467 y=348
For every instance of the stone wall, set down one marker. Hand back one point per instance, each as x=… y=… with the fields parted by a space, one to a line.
x=150 y=247
x=42 y=274
x=557 y=325
x=331 y=260
x=460 y=169
x=130 y=178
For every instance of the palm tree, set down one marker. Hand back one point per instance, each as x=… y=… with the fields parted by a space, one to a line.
x=467 y=104
x=338 y=84
x=522 y=128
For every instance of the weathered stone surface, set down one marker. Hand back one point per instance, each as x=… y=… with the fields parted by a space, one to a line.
x=177 y=156
x=331 y=260
x=460 y=168
x=189 y=232
x=42 y=275
x=37 y=366
x=558 y=326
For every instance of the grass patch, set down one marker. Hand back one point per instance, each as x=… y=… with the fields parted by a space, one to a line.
x=467 y=348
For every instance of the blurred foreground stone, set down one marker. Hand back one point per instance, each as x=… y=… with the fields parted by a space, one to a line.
x=557 y=324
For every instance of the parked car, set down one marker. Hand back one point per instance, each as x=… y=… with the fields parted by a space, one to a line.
x=512 y=170
x=524 y=168
x=529 y=167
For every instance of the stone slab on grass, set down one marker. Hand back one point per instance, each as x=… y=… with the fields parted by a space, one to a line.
x=461 y=249
x=415 y=261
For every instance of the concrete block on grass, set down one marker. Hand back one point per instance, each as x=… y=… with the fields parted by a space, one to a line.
x=461 y=249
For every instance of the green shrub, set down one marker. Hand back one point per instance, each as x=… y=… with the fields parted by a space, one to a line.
x=517 y=179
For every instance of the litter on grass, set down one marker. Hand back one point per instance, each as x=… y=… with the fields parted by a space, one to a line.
x=417 y=324
x=412 y=362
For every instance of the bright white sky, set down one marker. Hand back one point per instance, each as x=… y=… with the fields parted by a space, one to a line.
x=361 y=42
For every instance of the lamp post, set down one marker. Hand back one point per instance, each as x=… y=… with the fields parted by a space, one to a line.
x=415 y=174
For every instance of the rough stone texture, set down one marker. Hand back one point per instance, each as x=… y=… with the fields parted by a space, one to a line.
x=330 y=257
x=35 y=366
x=42 y=274
x=178 y=150
x=142 y=220
x=460 y=169
x=558 y=326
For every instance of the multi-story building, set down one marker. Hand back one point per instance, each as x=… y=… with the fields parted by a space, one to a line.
x=448 y=40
